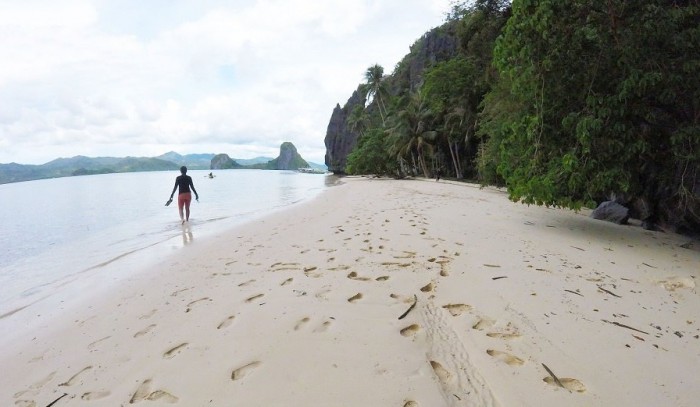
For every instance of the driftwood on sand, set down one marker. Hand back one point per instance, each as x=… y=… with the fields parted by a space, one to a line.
x=415 y=301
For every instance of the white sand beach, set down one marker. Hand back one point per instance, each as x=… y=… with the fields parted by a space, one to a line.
x=302 y=308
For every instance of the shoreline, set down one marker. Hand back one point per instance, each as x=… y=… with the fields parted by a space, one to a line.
x=302 y=308
x=136 y=242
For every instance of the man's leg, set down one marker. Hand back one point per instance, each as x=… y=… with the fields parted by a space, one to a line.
x=180 y=205
x=187 y=199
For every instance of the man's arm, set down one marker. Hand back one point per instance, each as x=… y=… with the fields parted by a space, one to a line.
x=174 y=188
x=194 y=190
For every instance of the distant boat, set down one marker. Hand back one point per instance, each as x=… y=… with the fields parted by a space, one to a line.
x=309 y=170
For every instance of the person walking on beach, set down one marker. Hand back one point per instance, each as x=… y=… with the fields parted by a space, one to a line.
x=184 y=182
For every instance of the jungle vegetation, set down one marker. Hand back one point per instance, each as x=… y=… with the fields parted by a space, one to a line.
x=566 y=103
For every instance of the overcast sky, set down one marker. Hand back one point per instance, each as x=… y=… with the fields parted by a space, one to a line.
x=144 y=77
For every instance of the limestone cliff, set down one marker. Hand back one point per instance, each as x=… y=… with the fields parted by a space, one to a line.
x=437 y=45
x=289 y=159
x=223 y=162
x=339 y=139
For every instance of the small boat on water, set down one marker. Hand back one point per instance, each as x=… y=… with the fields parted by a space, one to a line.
x=309 y=170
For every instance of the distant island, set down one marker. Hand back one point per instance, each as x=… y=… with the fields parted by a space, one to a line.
x=289 y=159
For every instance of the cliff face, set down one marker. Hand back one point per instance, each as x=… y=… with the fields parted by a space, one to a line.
x=339 y=139
x=440 y=44
x=289 y=159
x=437 y=45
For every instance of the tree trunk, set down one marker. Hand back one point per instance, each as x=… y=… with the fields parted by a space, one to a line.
x=454 y=151
x=380 y=105
x=424 y=167
x=459 y=161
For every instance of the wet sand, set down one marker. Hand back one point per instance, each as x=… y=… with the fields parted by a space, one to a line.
x=378 y=293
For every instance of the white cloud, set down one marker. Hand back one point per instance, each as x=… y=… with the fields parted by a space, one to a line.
x=107 y=77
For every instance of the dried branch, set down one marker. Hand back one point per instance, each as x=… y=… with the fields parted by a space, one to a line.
x=415 y=301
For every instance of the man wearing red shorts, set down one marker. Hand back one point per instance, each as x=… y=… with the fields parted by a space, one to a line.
x=184 y=182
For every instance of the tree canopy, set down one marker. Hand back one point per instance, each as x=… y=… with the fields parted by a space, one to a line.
x=608 y=102
x=567 y=103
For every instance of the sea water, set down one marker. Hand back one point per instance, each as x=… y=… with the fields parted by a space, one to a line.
x=52 y=231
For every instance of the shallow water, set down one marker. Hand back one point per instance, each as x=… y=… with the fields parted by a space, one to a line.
x=58 y=228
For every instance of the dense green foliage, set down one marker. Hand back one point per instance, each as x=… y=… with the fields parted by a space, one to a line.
x=566 y=103
x=607 y=99
x=370 y=156
x=433 y=126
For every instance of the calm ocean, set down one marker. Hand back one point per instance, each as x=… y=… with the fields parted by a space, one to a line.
x=54 y=230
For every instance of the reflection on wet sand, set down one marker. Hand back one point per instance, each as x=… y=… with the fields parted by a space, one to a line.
x=187 y=236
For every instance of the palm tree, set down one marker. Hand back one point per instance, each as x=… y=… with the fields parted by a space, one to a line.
x=358 y=121
x=459 y=123
x=410 y=132
x=375 y=87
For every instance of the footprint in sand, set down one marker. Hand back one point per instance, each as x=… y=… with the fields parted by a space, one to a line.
x=226 y=322
x=41 y=383
x=483 y=324
x=457 y=309
x=503 y=335
x=321 y=295
x=311 y=272
x=144 y=393
x=323 y=327
x=567 y=382
x=175 y=293
x=444 y=270
x=94 y=344
x=287 y=281
x=353 y=276
x=253 y=298
x=171 y=353
x=404 y=299
x=245 y=370
x=144 y=331
x=149 y=314
x=301 y=323
x=245 y=283
x=505 y=357
x=410 y=403
x=191 y=304
x=163 y=396
x=382 y=278
x=285 y=266
x=675 y=283
x=25 y=403
x=442 y=374
x=71 y=381
x=355 y=297
x=410 y=330
x=95 y=395
x=428 y=288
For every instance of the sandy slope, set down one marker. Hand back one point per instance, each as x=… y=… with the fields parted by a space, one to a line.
x=302 y=309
